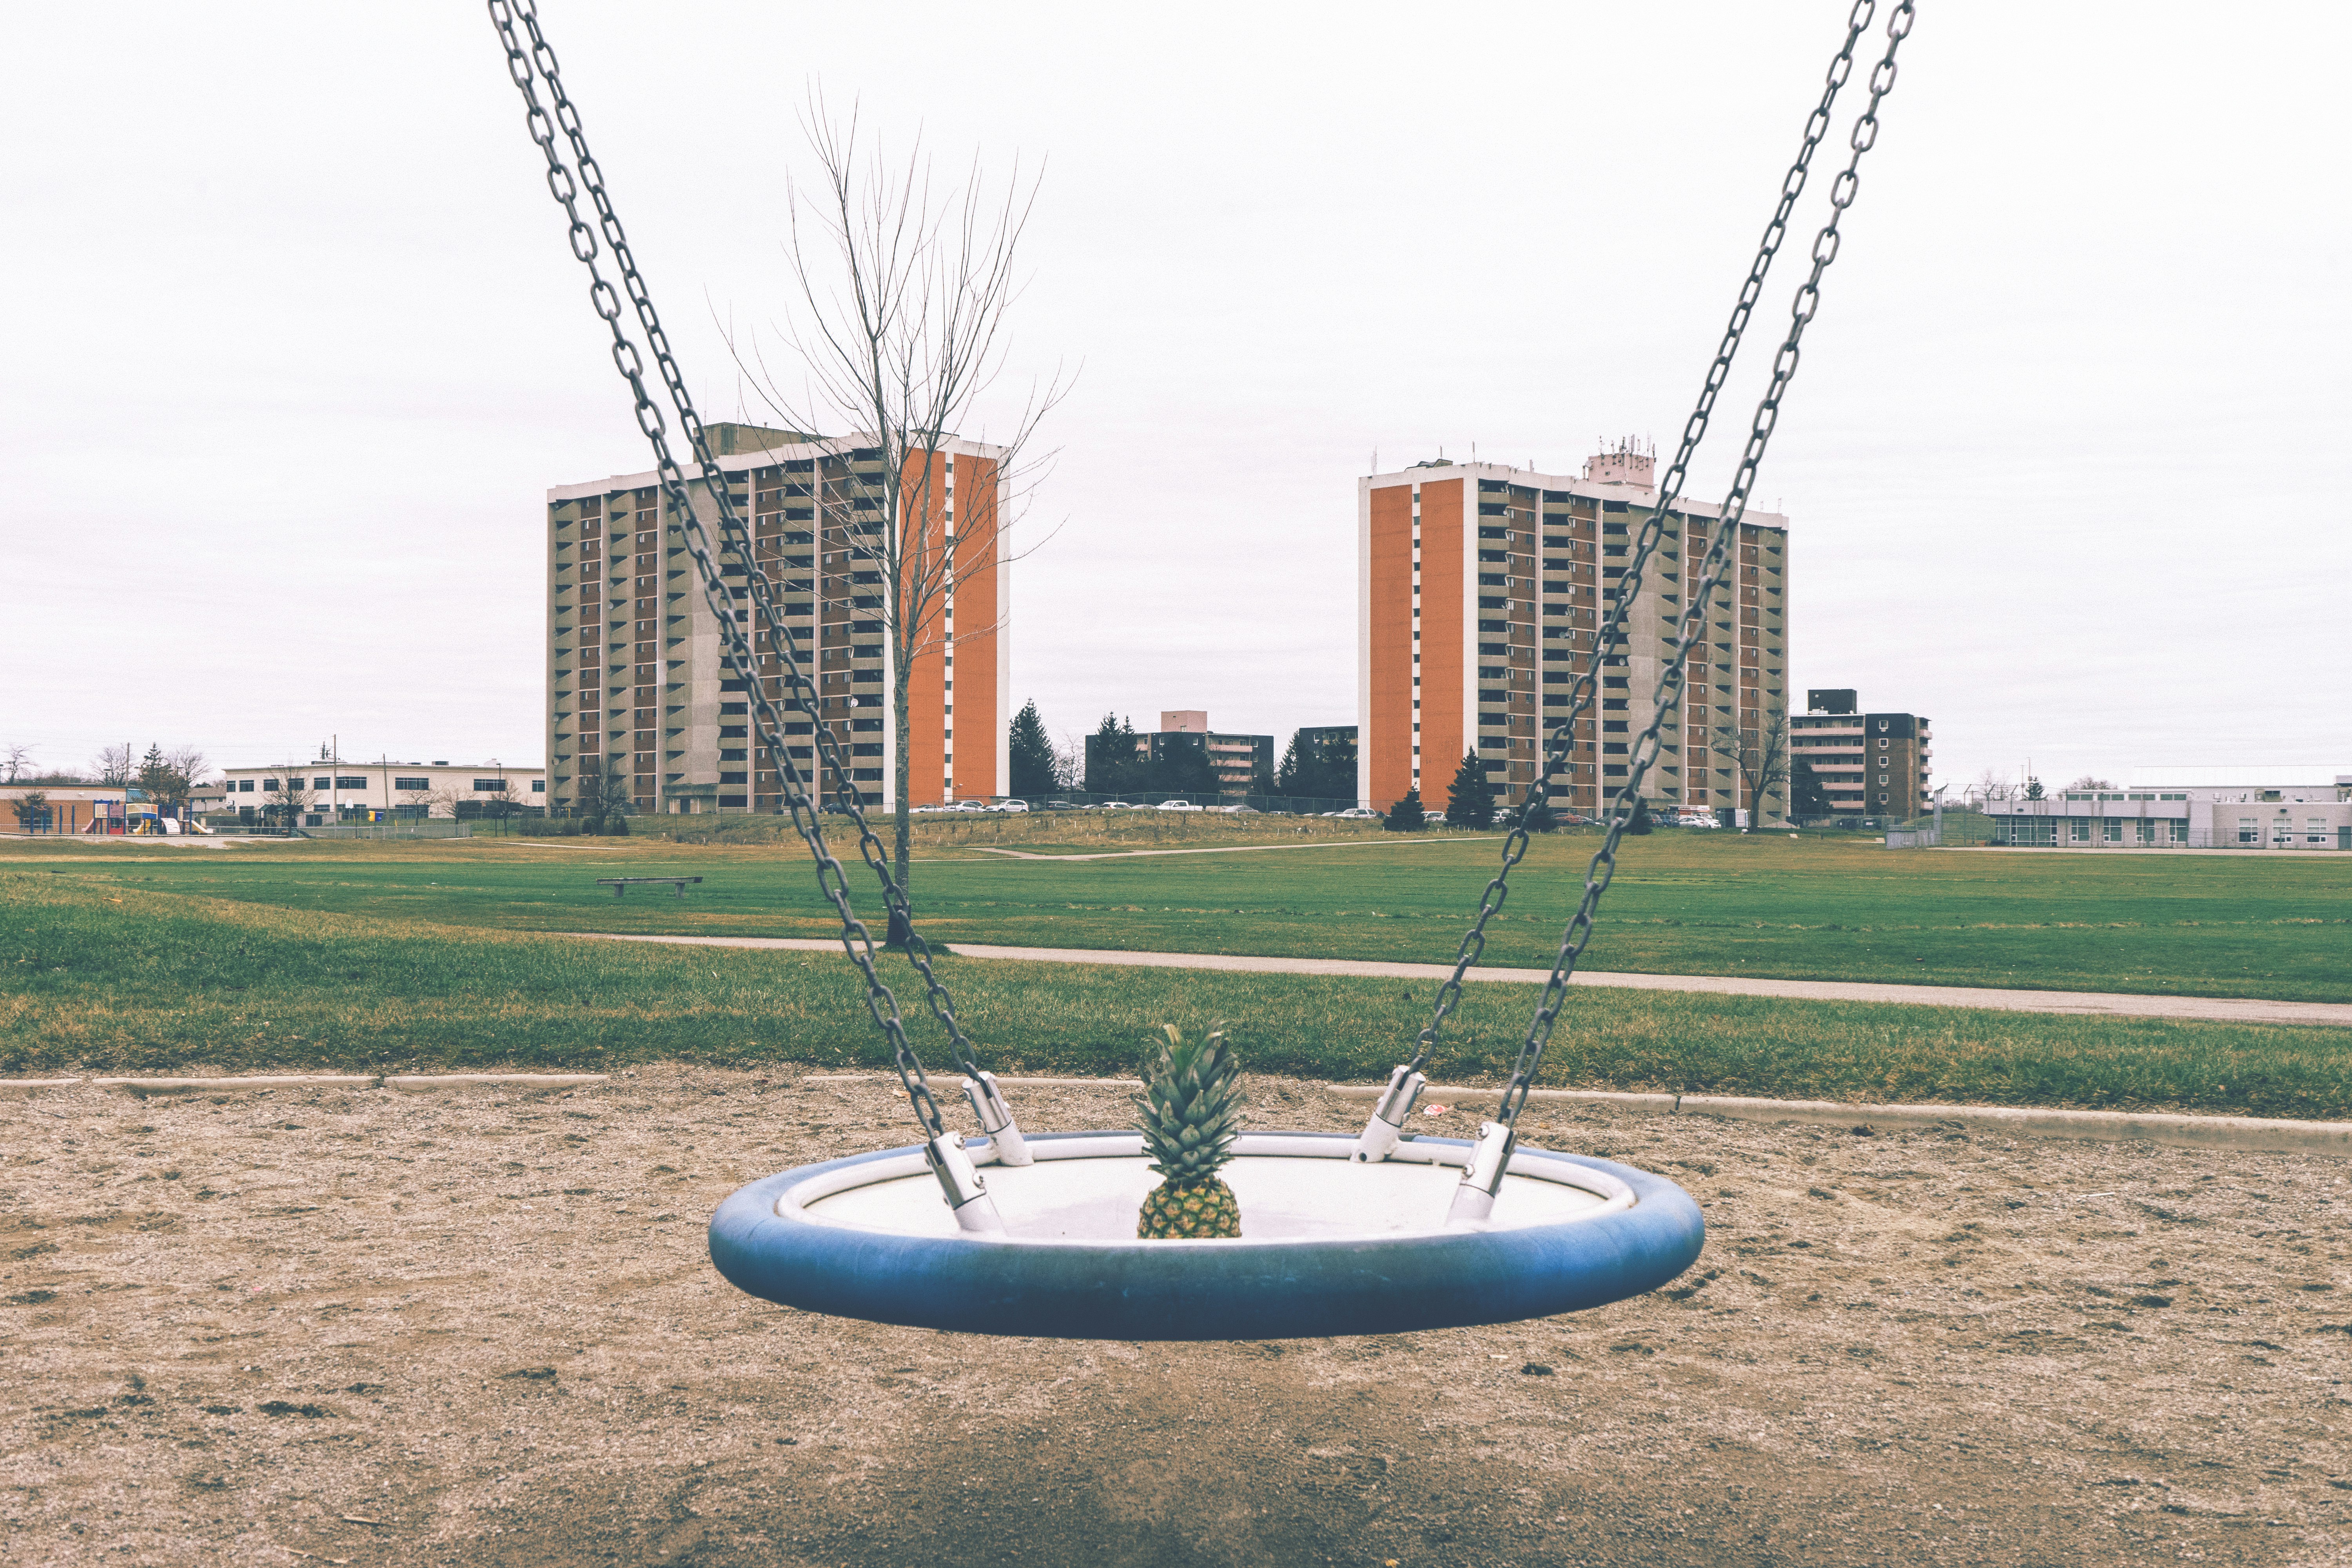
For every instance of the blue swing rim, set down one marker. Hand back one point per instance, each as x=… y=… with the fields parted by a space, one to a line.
x=1137 y=1291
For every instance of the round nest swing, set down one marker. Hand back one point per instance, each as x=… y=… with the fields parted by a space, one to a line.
x=1374 y=1233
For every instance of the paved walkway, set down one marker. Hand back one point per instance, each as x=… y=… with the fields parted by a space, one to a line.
x=2098 y=1003
x=1240 y=848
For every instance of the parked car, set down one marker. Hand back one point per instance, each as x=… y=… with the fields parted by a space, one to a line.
x=1178 y=805
x=1116 y=805
x=1010 y=805
x=1057 y=806
x=1696 y=819
x=1242 y=810
x=1356 y=814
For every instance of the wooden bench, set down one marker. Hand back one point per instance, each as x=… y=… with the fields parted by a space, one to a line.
x=623 y=884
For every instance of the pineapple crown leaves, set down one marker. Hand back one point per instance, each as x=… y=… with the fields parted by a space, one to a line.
x=1191 y=1107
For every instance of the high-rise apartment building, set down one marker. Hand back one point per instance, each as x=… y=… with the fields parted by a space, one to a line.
x=640 y=706
x=1480 y=589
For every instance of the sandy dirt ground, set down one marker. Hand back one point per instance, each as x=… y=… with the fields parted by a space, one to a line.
x=481 y=1328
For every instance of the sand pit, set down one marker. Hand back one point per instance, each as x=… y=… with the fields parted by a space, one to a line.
x=479 y=1327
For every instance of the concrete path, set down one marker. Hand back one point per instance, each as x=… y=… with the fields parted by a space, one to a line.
x=2098 y=1004
x=1237 y=848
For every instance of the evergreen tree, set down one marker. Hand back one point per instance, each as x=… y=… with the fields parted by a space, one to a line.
x=1032 y=752
x=1471 y=802
x=1539 y=818
x=1112 y=766
x=1806 y=795
x=1182 y=769
x=1297 y=761
x=1406 y=815
x=1640 y=822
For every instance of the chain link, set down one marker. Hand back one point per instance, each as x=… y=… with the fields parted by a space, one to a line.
x=737 y=649
x=1562 y=740
x=1669 y=688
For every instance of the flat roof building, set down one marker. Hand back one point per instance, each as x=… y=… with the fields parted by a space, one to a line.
x=1480 y=589
x=323 y=791
x=1868 y=764
x=2297 y=810
x=640 y=705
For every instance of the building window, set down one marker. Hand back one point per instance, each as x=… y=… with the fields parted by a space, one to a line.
x=322 y=784
x=347 y=781
x=538 y=786
x=2080 y=829
x=398 y=784
x=2246 y=831
x=246 y=785
x=2115 y=830
x=488 y=786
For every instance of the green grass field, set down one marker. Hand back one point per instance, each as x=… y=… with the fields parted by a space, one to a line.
x=1693 y=903
x=100 y=975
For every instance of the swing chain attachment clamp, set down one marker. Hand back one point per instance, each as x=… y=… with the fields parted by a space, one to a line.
x=959 y=1184
x=1482 y=1178
x=988 y=1103
x=1379 y=1138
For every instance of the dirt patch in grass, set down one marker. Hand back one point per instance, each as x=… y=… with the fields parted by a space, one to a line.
x=482 y=1327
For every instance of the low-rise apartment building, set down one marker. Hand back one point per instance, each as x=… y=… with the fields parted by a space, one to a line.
x=2277 y=809
x=1870 y=765
x=1241 y=764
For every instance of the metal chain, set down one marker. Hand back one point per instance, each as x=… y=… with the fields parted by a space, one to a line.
x=734 y=536
x=1562 y=738
x=1668 y=692
x=736 y=648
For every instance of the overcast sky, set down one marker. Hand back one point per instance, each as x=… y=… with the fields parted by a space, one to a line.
x=295 y=344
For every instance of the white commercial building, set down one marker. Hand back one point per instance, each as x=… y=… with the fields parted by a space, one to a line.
x=324 y=792
x=2189 y=807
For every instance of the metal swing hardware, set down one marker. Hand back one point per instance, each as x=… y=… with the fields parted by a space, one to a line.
x=1475 y=1197
x=528 y=65
x=988 y=1103
x=959 y=1184
x=1482 y=1178
x=1379 y=1138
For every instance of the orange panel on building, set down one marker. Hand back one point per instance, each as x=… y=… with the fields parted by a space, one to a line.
x=922 y=496
x=979 y=610
x=1388 y=739
x=1442 y=729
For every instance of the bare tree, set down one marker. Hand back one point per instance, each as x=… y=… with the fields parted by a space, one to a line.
x=190 y=762
x=422 y=802
x=904 y=294
x=1991 y=784
x=1070 y=761
x=2090 y=781
x=1762 y=758
x=289 y=792
x=500 y=802
x=116 y=765
x=15 y=760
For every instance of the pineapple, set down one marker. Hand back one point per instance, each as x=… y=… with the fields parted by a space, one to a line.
x=1188 y=1111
